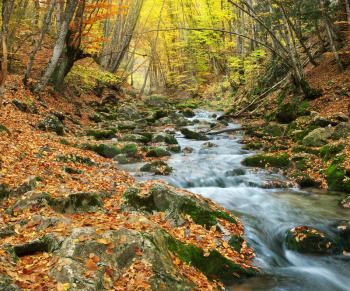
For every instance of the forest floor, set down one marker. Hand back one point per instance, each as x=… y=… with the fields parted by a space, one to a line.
x=66 y=221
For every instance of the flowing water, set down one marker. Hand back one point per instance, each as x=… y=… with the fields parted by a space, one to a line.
x=266 y=213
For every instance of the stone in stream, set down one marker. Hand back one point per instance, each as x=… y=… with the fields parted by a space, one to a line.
x=188 y=112
x=345 y=203
x=157 y=167
x=307 y=240
x=342 y=229
x=236 y=172
x=164 y=137
x=208 y=145
x=187 y=150
x=189 y=134
x=157 y=152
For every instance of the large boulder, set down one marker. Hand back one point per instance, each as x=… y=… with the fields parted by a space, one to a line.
x=52 y=123
x=189 y=134
x=111 y=255
x=306 y=240
x=318 y=137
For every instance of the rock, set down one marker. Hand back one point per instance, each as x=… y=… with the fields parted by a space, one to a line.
x=274 y=130
x=174 y=148
x=322 y=121
x=253 y=146
x=3 y=128
x=76 y=159
x=95 y=117
x=157 y=152
x=306 y=240
x=124 y=159
x=126 y=125
x=101 y=134
x=72 y=171
x=103 y=150
x=60 y=115
x=161 y=198
x=340 y=117
x=26 y=108
x=188 y=112
x=329 y=151
x=164 y=137
x=157 y=167
x=130 y=150
x=128 y=112
x=52 y=123
x=235 y=172
x=305 y=181
x=7 y=231
x=77 y=202
x=28 y=185
x=5 y=191
x=342 y=130
x=187 y=150
x=129 y=248
x=338 y=178
x=345 y=203
x=208 y=145
x=189 y=134
x=318 y=137
x=262 y=161
x=7 y=284
x=135 y=138
x=342 y=230
x=110 y=99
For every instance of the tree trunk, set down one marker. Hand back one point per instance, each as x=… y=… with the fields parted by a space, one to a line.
x=59 y=47
x=44 y=29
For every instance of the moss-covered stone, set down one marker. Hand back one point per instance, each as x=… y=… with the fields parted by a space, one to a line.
x=318 y=137
x=262 y=161
x=51 y=123
x=72 y=171
x=96 y=117
x=163 y=137
x=135 y=138
x=342 y=130
x=345 y=203
x=189 y=134
x=305 y=149
x=307 y=240
x=214 y=266
x=188 y=112
x=157 y=152
x=338 y=178
x=106 y=151
x=130 y=150
x=5 y=191
x=101 y=134
x=236 y=242
x=157 y=167
x=275 y=130
x=235 y=172
x=3 y=128
x=329 y=151
x=174 y=148
x=75 y=159
x=253 y=146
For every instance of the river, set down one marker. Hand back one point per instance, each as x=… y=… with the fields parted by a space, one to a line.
x=266 y=213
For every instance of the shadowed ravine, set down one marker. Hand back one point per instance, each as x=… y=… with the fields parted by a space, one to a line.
x=266 y=213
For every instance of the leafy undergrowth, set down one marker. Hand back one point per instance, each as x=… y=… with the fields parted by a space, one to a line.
x=43 y=174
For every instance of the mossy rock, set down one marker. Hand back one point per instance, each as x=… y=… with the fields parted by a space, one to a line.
x=262 y=161
x=96 y=117
x=329 y=151
x=101 y=134
x=158 y=168
x=162 y=199
x=342 y=130
x=72 y=171
x=5 y=191
x=188 y=112
x=77 y=202
x=305 y=181
x=235 y=172
x=215 y=266
x=236 y=242
x=307 y=240
x=318 y=137
x=305 y=149
x=174 y=148
x=338 y=178
x=130 y=150
x=51 y=123
x=76 y=159
x=275 y=130
x=163 y=137
x=157 y=152
x=189 y=134
x=103 y=150
x=3 y=128
x=253 y=146
x=135 y=138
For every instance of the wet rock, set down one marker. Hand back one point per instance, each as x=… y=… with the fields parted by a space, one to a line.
x=306 y=240
x=164 y=199
x=318 y=137
x=106 y=151
x=124 y=248
x=208 y=145
x=342 y=130
x=235 y=172
x=345 y=203
x=342 y=230
x=157 y=167
x=189 y=134
x=262 y=161
x=174 y=148
x=157 y=152
x=187 y=150
x=52 y=123
x=164 y=137
x=188 y=112
x=305 y=181
x=277 y=184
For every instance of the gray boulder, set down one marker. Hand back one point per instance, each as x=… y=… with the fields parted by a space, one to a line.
x=318 y=137
x=342 y=130
x=51 y=123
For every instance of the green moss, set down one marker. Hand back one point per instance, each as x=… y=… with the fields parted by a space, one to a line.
x=103 y=150
x=101 y=134
x=305 y=149
x=215 y=266
x=77 y=202
x=262 y=161
x=129 y=150
x=5 y=191
x=329 y=151
x=157 y=167
x=131 y=197
x=75 y=159
x=157 y=152
x=338 y=178
x=274 y=130
x=72 y=171
x=135 y=138
x=174 y=148
x=253 y=146
x=190 y=103
x=236 y=242
x=3 y=128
